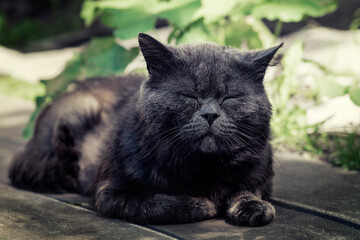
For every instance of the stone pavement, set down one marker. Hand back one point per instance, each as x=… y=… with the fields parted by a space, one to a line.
x=313 y=200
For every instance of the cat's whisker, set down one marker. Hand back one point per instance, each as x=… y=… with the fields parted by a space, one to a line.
x=249 y=130
x=244 y=145
x=230 y=148
x=174 y=143
x=161 y=140
x=251 y=138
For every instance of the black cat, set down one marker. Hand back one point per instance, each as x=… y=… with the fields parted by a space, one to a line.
x=190 y=142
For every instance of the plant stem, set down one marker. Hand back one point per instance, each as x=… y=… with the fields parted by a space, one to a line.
x=278 y=28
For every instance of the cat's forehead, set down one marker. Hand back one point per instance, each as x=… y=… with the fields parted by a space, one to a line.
x=206 y=52
x=211 y=67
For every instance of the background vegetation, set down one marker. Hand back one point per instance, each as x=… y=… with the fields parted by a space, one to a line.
x=239 y=23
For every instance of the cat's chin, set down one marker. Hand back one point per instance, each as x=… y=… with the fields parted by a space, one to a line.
x=208 y=144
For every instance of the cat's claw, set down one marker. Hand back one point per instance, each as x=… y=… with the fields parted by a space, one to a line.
x=252 y=213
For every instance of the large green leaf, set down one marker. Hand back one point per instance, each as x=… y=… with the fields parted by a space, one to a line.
x=131 y=17
x=327 y=87
x=20 y=89
x=91 y=9
x=133 y=29
x=88 y=12
x=354 y=92
x=102 y=57
x=293 y=10
x=128 y=22
x=196 y=33
x=239 y=32
x=183 y=14
x=291 y=59
x=212 y=11
x=284 y=86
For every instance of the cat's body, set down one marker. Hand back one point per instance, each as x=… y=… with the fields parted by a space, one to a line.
x=189 y=143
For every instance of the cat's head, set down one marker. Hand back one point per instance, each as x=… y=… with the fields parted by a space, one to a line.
x=204 y=97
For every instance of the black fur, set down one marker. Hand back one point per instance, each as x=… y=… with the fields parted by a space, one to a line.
x=188 y=143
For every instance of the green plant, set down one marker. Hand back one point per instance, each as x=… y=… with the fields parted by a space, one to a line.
x=289 y=126
x=355 y=23
x=17 y=88
x=346 y=150
x=37 y=21
x=101 y=57
x=289 y=121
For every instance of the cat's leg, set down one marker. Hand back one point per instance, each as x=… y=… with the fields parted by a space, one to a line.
x=245 y=208
x=150 y=208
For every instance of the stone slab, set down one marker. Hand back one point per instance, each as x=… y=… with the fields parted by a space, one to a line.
x=288 y=224
x=26 y=215
x=35 y=208
x=317 y=184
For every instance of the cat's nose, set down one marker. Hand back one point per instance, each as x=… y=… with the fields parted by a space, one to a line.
x=210 y=111
x=210 y=117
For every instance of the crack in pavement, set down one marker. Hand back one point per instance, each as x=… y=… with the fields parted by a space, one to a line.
x=332 y=216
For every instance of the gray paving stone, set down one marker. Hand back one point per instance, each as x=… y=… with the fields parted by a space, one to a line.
x=288 y=224
x=317 y=184
x=26 y=215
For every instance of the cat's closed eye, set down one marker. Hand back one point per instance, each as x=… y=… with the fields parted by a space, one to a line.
x=189 y=97
x=231 y=97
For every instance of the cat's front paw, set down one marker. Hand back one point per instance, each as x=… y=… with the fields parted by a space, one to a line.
x=252 y=213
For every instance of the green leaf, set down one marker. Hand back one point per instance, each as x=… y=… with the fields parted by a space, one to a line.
x=29 y=127
x=59 y=84
x=286 y=85
x=20 y=89
x=131 y=17
x=355 y=23
x=2 y=21
x=90 y=8
x=327 y=87
x=294 y=10
x=88 y=12
x=354 y=92
x=128 y=22
x=237 y=33
x=291 y=59
x=196 y=33
x=133 y=29
x=183 y=14
x=212 y=11
x=102 y=57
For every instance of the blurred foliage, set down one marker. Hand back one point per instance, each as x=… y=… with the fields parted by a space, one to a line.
x=289 y=119
x=237 y=23
x=101 y=57
x=198 y=20
x=345 y=150
x=15 y=88
x=26 y=21
x=290 y=99
x=355 y=23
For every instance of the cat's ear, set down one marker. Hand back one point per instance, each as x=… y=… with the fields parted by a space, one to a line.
x=263 y=58
x=157 y=56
